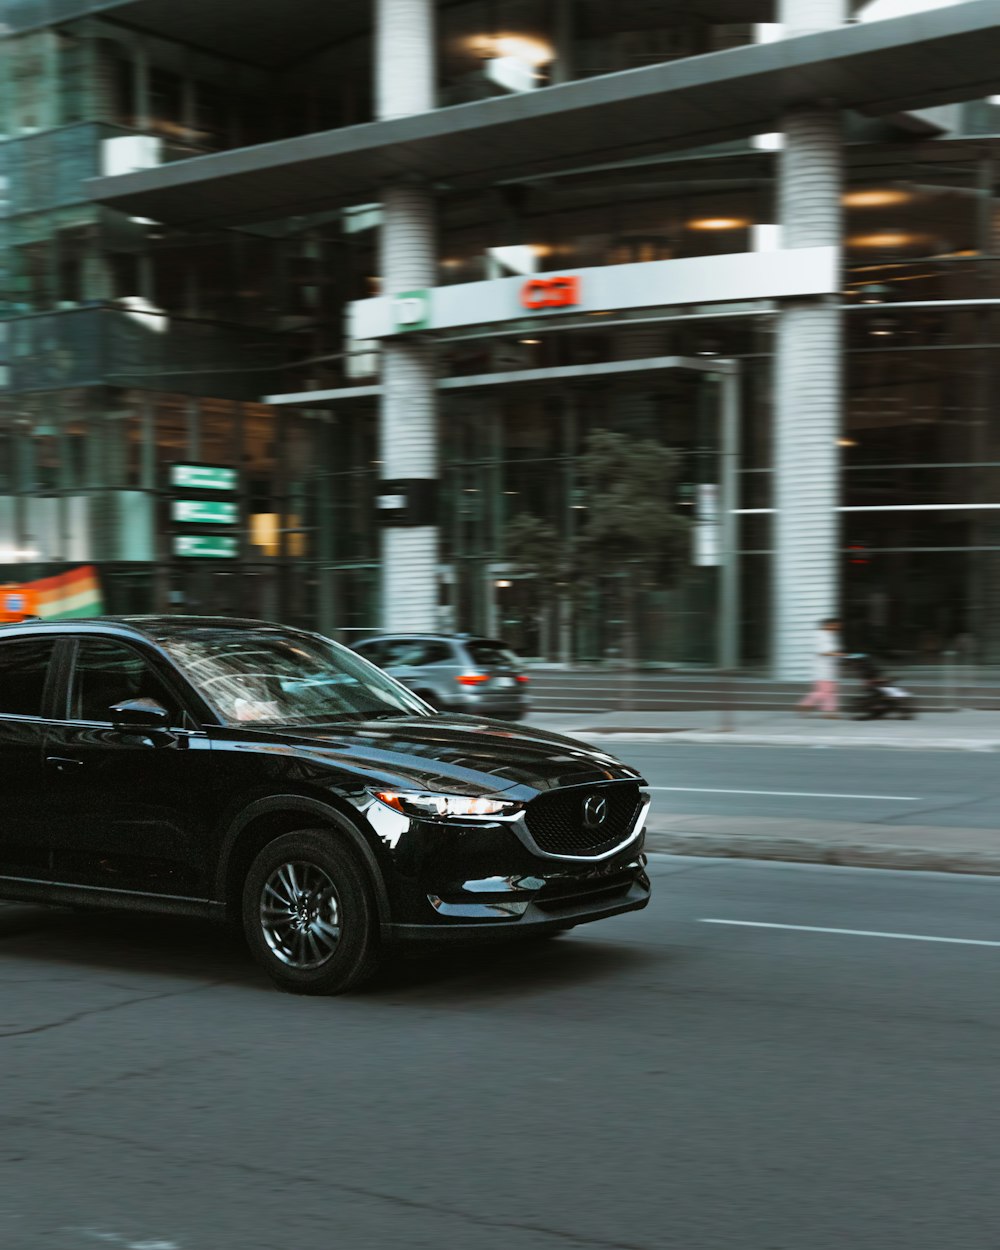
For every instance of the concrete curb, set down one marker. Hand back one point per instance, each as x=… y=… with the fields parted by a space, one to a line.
x=807 y=851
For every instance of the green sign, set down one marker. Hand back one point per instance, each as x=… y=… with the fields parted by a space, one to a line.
x=207 y=546
x=203 y=477
x=411 y=310
x=205 y=511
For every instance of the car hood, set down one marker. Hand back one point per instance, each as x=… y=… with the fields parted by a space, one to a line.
x=467 y=754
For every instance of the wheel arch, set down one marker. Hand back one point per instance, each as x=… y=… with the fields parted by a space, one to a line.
x=268 y=818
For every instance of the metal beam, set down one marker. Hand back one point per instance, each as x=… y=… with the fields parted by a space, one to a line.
x=555 y=373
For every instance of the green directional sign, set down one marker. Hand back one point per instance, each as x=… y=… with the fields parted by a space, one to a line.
x=207 y=546
x=203 y=477
x=205 y=511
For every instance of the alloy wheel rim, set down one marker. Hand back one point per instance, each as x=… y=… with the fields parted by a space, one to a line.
x=300 y=915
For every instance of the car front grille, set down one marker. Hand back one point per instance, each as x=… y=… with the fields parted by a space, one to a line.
x=558 y=826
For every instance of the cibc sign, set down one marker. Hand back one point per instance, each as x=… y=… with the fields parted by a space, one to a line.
x=540 y=293
x=656 y=284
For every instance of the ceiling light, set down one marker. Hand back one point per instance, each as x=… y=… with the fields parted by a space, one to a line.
x=876 y=197
x=886 y=238
x=873 y=293
x=531 y=51
x=719 y=223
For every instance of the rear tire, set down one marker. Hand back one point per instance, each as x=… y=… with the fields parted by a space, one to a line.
x=309 y=915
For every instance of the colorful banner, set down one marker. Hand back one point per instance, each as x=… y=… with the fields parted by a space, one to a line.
x=67 y=595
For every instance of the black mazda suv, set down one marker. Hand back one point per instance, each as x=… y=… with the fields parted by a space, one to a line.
x=240 y=770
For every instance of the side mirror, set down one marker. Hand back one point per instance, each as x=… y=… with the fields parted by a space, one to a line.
x=139 y=714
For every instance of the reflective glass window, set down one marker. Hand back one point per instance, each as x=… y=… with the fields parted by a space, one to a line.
x=109 y=672
x=24 y=666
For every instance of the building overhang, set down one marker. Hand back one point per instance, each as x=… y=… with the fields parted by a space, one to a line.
x=254 y=32
x=266 y=34
x=883 y=67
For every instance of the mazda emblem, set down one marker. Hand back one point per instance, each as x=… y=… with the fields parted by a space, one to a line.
x=595 y=811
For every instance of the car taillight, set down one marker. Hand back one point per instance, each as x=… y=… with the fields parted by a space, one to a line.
x=521 y=677
x=472 y=679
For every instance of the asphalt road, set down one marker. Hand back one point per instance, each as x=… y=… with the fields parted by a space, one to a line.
x=655 y=1081
x=958 y=789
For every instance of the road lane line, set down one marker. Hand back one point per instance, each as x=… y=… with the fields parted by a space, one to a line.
x=792 y=794
x=812 y=928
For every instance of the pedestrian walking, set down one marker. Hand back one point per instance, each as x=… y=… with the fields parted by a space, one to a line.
x=824 y=692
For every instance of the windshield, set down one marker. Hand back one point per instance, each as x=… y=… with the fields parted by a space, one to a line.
x=272 y=677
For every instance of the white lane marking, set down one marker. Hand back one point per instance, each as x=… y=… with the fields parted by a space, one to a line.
x=792 y=794
x=812 y=928
x=96 y=1234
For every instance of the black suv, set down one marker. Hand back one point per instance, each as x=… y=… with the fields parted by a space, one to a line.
x=235 y=769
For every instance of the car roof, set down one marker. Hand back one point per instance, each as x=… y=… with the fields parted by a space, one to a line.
x=146 y=626
x=430 y=637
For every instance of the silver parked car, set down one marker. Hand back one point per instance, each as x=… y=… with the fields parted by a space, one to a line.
x=454 y=672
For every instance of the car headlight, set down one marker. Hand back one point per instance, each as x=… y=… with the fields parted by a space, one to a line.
x=437 y=806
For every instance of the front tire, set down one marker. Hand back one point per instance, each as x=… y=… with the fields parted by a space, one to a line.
x=309 y=916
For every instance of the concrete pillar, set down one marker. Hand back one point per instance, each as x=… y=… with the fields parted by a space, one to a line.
x=983 y=623
x=405 y=60
x=808 y=385
x=805 y=17
x=408 y=436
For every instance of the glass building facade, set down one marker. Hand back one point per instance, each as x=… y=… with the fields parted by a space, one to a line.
x=128 y=346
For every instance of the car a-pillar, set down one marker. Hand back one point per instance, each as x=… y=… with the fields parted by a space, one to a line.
x=405 y=74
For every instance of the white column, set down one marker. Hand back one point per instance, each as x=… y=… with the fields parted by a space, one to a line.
x=405 y=62
x=805 y=17
x=408 y=437
x=808 y=357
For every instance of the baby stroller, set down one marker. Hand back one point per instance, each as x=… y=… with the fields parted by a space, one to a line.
x=879 y=696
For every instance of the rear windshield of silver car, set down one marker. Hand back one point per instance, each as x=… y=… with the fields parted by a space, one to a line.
x=488 y=654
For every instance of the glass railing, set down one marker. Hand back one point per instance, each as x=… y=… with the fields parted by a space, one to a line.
x=136 y=348
x=50 y=169
x=21 y=15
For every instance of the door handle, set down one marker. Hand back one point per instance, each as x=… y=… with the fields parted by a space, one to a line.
x=62 y=763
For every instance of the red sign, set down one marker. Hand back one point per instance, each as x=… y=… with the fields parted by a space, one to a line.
x=550 y=293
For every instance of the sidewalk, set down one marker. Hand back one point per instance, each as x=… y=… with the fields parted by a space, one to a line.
x=934 y=731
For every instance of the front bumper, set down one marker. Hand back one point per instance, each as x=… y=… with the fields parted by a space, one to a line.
x=454 y=879
x=495 y=908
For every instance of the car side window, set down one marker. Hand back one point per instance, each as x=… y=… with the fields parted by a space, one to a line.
x=108 y=672
x=416 y=652
x=24 y=667
x=396 y=651
x=436 y=653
